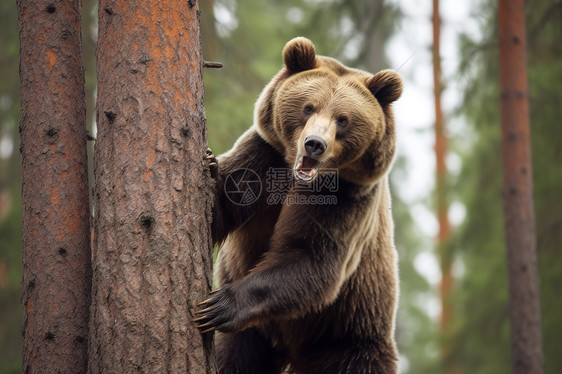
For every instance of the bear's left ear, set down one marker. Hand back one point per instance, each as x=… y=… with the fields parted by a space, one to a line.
x=299 y=55
x=386 y=86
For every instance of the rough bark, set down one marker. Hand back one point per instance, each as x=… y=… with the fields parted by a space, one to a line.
x=442 y=206
x=152 y=246
x=56 y=247
x=524 y=304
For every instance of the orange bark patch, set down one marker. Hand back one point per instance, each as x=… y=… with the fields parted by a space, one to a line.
x=178 y=96
x=168 y=52
x=54 y=198
x=74 y=224
x=51 y=58
x=151 y=158
x=146 y=175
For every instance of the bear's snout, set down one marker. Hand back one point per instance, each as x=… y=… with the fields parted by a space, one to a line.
x=314 y=145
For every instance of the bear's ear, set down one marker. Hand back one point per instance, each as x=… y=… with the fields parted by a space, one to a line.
x=386 y=86
x=299 y=55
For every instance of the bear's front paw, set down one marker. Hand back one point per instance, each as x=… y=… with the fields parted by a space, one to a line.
x=213 y=163
x=219 y=312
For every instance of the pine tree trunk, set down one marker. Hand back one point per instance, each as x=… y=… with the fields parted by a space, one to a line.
x=56 y=246
x=152 y=251
x=518 y=192
x=442 y=206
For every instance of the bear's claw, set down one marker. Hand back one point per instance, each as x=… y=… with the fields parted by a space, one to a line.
x=218 y=312
x=213 y=163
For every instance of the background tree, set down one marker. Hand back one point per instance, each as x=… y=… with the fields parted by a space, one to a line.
x=152 y=252
x=441 y=199
x=482 y=340
x=518 y=206
x=56 y=250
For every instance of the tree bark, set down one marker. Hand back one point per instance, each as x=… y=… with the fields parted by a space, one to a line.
x=152 y=246
x=442 y=206
x=524 y=308
x=56 y=249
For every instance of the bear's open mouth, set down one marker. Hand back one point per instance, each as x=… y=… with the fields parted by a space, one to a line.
x=306 y=168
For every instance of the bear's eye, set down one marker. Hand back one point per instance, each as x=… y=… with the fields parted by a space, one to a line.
x=343 y=121
x=308 y=109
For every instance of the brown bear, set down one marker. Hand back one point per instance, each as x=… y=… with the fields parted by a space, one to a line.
x=308 y=284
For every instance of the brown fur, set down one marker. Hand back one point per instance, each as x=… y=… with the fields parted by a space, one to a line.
x=310 y=288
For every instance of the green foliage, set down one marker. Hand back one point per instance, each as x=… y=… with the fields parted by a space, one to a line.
x=10 y=308
x=482 y=341
x=10 y=195
x=416 y=332
x=545 y=71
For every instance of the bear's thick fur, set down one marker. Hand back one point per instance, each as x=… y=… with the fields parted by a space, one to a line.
x=308 y=284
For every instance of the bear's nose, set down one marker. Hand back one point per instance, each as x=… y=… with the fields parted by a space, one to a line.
x=314 y=145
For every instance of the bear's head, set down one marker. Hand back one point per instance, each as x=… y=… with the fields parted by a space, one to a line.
x=323 y=115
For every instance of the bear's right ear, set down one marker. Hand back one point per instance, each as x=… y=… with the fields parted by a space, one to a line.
x=299 y=55
x=386 y=86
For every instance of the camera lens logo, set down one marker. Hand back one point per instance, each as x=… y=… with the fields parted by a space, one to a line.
x=243 y=187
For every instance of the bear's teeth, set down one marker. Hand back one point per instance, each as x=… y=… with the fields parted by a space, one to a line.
x=306 y=176
x=306 y=168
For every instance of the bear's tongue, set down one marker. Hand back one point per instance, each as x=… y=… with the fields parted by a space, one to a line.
x=306 y=168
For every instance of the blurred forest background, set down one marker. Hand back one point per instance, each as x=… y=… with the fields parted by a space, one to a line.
x=248 y=38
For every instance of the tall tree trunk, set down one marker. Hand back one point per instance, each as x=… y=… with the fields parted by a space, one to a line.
x=524 y=307
x=152 y=251
x=56 y=250
x=441 y=172
x=442 y=206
